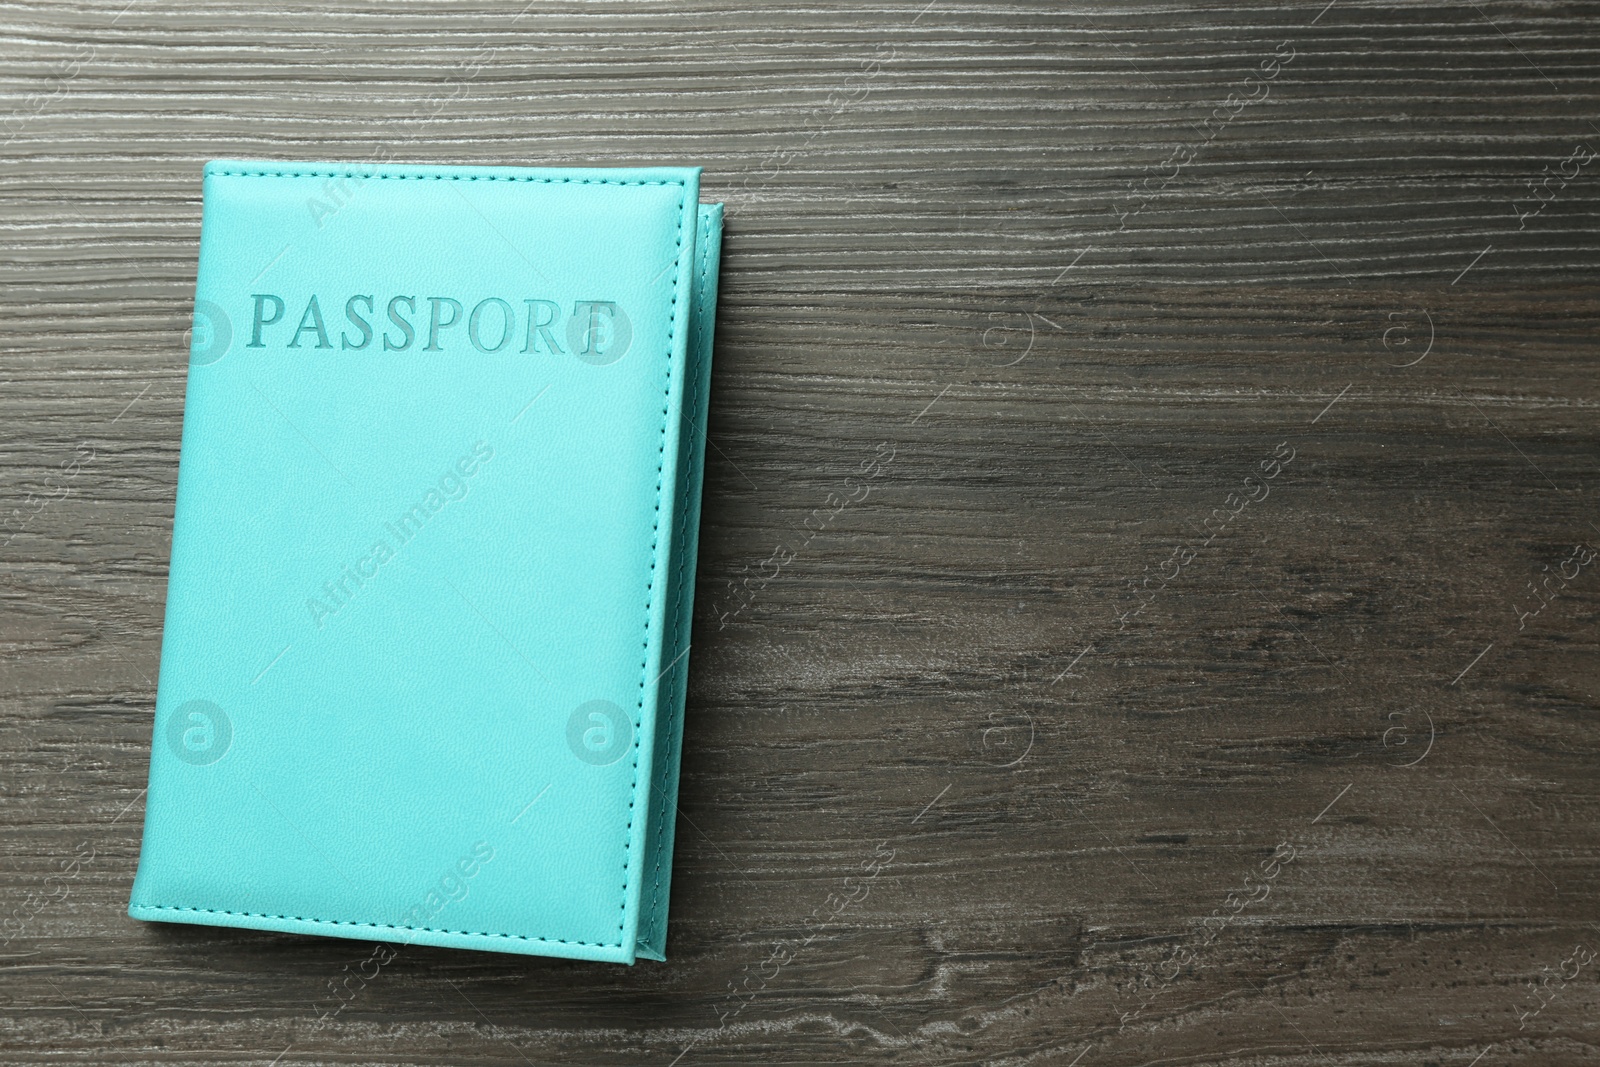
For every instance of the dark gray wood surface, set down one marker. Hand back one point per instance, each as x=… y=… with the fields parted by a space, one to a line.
x=1098 y=731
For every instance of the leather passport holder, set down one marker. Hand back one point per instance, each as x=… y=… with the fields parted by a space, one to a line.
x=433 y=554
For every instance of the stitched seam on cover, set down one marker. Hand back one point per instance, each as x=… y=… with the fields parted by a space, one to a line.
x=655 y=540
x=633 y=793
x=436 y=177
x=373 y=926
x=683 y=533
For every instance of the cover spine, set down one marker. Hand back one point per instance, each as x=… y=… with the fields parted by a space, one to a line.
x=673 y=686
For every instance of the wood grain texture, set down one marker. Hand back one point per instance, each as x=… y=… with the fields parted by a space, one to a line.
x=1032 y=254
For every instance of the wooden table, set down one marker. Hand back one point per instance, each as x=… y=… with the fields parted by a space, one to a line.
x=1208 y=674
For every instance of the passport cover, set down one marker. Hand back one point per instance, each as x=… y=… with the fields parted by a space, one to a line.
x=433 y=553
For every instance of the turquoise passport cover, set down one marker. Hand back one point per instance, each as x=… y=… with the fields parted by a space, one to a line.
x=433 y=553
